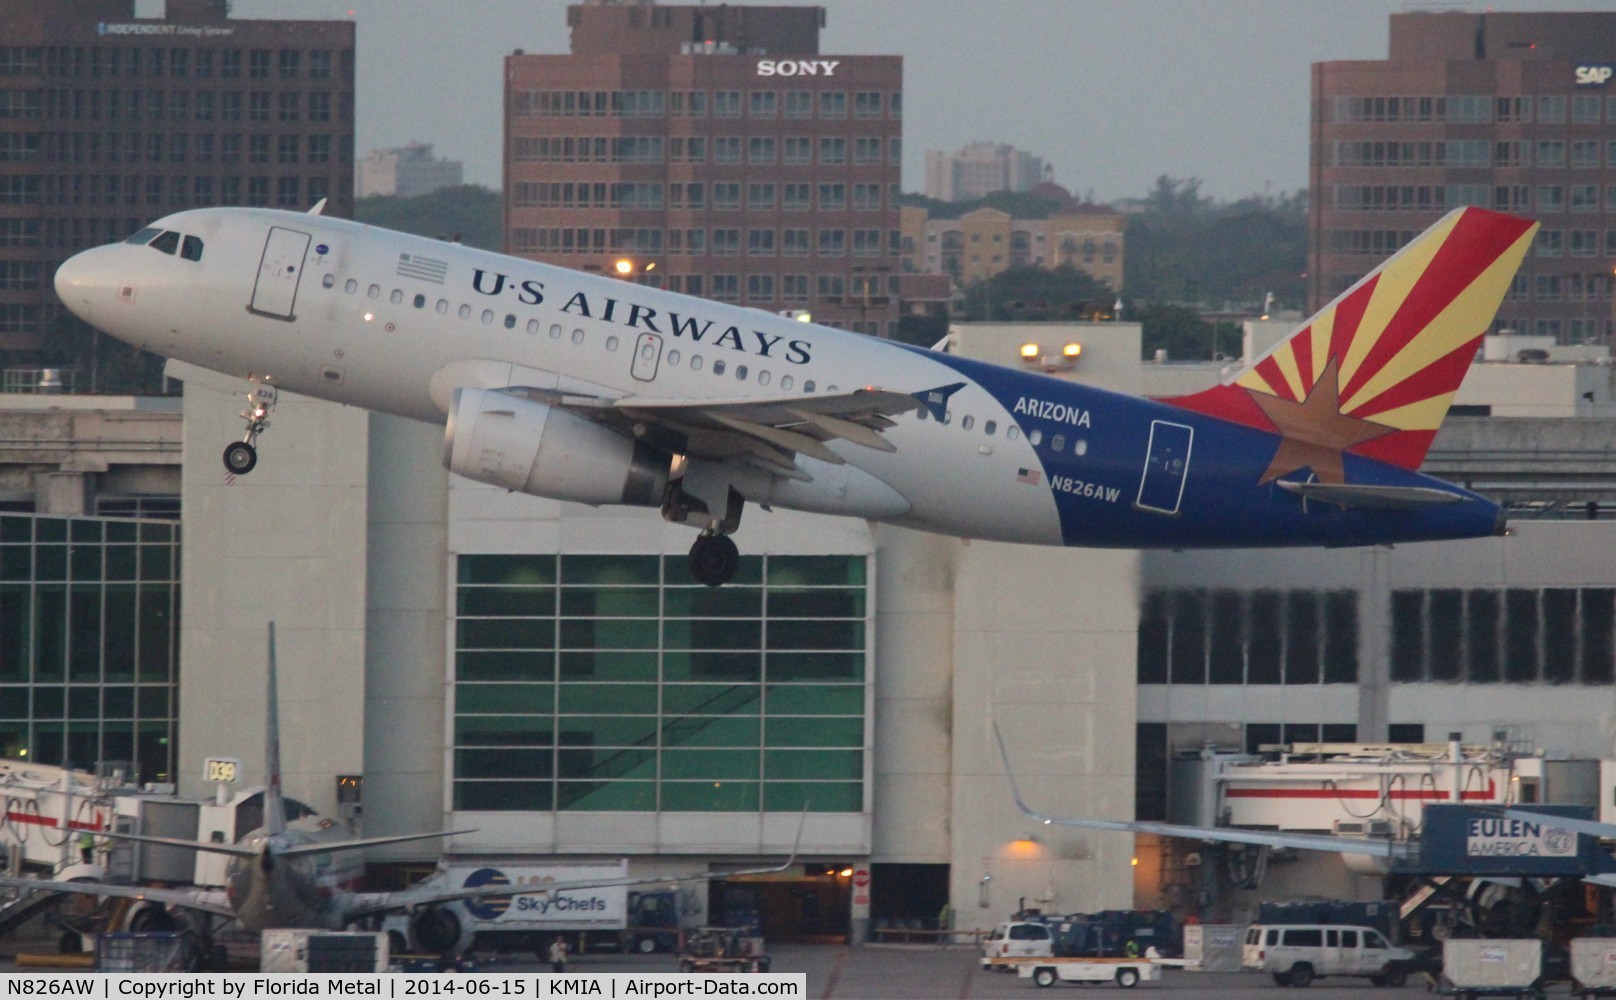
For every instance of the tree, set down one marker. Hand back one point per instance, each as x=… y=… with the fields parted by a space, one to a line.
x=468 y=214
x=1184 y=335
x=1037 y=294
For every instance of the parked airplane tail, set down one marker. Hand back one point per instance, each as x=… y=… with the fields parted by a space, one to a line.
x=1382 y=362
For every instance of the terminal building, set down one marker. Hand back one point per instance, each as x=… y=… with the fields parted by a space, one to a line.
x=1510 y=111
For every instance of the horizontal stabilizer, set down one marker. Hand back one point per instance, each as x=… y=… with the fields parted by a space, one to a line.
x=1371 y=497
x=354 y=845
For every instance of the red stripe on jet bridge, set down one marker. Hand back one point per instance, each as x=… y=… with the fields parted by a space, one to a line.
x=51 y=822
x=1424 y=794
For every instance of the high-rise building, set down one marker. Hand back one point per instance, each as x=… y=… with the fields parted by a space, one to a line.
x=713 y=151
x=108 y=121
x=1512 y=111
x=981 y=169
x=406 y=172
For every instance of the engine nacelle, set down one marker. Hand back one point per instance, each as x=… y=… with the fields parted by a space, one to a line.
x=505 y=440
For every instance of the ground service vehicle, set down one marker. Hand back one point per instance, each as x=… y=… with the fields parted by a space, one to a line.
x=724 y=949
x=1297 y=954
x=1125 y=972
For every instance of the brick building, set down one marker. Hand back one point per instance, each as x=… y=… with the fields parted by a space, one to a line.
x=108 y=121
x=1512 y=111
x=713 y=151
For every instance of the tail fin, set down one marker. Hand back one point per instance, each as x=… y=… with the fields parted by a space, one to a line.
x=1395 y=345
x=274 y=805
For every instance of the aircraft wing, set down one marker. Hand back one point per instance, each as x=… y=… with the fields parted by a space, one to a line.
x=1587 y=827
x=1224 y=834
x=769 y=431
x=207 y=900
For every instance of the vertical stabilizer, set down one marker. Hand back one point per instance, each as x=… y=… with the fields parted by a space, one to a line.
x=1374 y=372
x=274 y=807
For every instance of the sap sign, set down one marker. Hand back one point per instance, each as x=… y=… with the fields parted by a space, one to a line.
x=797 y=67
x=1595 y=76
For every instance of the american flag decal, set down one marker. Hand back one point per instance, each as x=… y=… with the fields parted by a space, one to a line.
x=1028 y=476
x=412 y=265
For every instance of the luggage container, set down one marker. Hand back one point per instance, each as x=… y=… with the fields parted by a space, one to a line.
x=292 y=950
x=1479 y=967
x=1593 y=967
x=1213 y=947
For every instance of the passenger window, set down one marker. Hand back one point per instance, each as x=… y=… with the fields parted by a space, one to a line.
x=329 y=281
x=922 y=413
x=488 y=317
x=718 y=367
x=143 y=237
x=1058 y=442
x=611 y=343
x=510 y=321
x=420 y=302
x=396 y=297
x=808 y=386
x=374 y=291
x=191 y=249
x=763 y=378
x=1332 y=938
x=442 y=307
x=786 y=381
x=350 y=286
x=740 y=373
x=167 y=243
x=830 y=388
x=533 y=326
x=1349 y=939
x=1080 y=447
x=989 y=427
x=1012 y=433
x=1035 y=437
x=672 y=357
x=465 y=311
x=947 y=417
x=555 y=331
x=967 y=422
x=1273 y=938
x=577 y=336
x=695 y=362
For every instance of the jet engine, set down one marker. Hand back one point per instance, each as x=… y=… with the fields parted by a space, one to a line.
x=505 y=440
x=439 y=930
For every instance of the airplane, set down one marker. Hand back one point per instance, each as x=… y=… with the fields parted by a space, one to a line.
x=588 y=388
x=287 y=873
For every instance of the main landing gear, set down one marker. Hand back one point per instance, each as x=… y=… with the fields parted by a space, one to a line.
x=240 y=457
x=714 y=559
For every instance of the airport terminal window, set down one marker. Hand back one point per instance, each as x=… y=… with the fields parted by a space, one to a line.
x=1195 y=636
x=1555 y=635
x=89 y=641
x=596 y=682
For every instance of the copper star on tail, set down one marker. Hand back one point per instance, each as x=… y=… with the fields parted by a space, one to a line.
x=1314 y=432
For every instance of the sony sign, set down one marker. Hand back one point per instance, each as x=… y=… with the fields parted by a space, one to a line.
x=1501 y=837
x=797 y=67
x=1596 y=75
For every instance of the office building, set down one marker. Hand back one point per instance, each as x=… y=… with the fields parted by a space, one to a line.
x=406 y=172
x=1511 y=111
x=981 y=168
x=108 y=121
x=713 y=151
x=988 y=241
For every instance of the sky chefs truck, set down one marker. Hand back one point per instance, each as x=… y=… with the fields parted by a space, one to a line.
x=595 y=917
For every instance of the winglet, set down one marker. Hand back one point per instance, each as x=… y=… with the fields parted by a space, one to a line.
x=936 y=400
x=1015 y=790
x=319 y=207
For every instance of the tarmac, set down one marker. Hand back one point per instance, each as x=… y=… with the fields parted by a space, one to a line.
x=928 y=972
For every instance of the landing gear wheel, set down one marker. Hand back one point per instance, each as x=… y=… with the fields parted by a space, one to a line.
x=240 y=457
x=714 y=560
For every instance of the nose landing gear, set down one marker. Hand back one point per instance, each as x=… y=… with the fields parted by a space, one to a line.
x=714 y=559
x=240 y=457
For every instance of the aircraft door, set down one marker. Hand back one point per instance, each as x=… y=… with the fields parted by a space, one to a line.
x=279 y=271
x=647 y=357
x=1167 y=463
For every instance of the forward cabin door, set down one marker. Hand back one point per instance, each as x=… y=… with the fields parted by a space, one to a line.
x=1167 y=463
x=279 y=271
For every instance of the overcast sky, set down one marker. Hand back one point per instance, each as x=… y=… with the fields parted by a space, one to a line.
x=1111 y=93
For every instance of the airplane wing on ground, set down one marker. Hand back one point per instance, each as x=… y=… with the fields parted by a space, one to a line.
x=1224 y=834
x=769 y=431
x=1587 y=827
x=371 y=904
x=207 y=900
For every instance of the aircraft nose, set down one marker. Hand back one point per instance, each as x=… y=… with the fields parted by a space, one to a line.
x=75 y=285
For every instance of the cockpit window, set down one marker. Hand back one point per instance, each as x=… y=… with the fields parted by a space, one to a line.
x=144 y=236
x=191 y=249
x=168 y=242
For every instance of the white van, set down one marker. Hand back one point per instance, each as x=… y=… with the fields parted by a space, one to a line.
x=1017 y=939
x=1297 y=954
